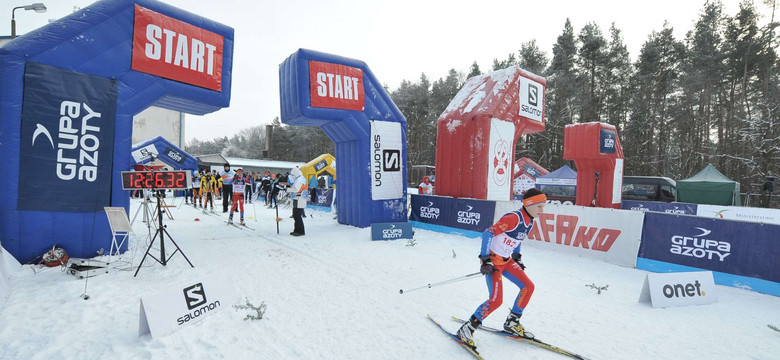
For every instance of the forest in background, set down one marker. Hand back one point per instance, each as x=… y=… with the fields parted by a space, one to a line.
x=711 y=97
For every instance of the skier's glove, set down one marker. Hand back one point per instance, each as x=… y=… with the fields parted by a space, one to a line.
x=487 y=265
x=518 y=259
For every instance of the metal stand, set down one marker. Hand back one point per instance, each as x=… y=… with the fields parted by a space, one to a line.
x=161 y=232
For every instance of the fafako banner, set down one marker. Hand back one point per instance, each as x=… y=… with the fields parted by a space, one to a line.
x=67 y=140
x=387 y=179
x=173 y=49
x=606 y=234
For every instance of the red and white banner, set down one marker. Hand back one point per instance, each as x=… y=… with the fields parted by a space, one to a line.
x=606 y=234
x=172 y=49
x=336 y=86
x=500 y=161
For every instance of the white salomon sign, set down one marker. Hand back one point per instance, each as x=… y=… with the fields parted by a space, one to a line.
x=531 y=99
x=500 y=162
x=679 y=289
x=609 y=235
x=387 y=161
x=178 y=306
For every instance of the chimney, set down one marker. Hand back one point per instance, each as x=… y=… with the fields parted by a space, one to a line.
x=269 y=136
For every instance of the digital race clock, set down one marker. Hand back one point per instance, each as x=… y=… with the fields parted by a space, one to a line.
x=156 y=180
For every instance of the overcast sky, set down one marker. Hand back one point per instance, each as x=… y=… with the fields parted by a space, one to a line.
x=397 y=39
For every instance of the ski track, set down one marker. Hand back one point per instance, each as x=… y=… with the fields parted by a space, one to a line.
x=334 y=294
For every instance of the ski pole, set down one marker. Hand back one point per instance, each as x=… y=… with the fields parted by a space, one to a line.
x=461 y=278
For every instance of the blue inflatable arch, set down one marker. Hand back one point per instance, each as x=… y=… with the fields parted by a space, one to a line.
x=166 y=151
x=69 y=93
x=343 y=97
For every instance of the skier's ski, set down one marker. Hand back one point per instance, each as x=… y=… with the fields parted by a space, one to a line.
x=242 y=227
x=468 y=348
x=529 y=340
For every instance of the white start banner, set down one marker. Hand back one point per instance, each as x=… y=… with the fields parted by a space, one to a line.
x=144 y=153
x=500 y=163
x=617 y=182
x=8 y=266
x=609 y=235
x=759 y=215
x=387 y=161
x=178 y=306
x=679 y=289
x=531 y=99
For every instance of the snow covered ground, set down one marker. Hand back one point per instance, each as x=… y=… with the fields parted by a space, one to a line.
x=334 y=294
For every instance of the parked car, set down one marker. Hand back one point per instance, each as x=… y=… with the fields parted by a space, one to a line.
x=649 y=188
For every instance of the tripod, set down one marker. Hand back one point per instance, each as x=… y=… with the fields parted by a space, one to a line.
x=161 y=232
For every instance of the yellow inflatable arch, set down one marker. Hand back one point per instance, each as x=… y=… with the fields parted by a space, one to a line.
x=325 y=163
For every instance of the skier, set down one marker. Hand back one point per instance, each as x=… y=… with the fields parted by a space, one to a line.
x=265 y=186
x=425 y=188
x=239 y=187
x=227 y=186
x=500 y=255
x=196 y=198
x=208 y=186
x=298 y=190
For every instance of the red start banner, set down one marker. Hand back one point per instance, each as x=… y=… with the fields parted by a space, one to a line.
x=336 y=86
x=172 y=49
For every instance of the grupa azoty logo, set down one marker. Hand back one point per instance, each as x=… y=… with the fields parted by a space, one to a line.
x=700 y=245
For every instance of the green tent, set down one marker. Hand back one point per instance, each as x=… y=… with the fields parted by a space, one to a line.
x=708 y=186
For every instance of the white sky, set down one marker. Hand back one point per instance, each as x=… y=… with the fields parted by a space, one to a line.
x=398 y=39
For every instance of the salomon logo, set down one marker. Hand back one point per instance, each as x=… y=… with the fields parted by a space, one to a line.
x=533 y=95
x=392 y=160
x=194 y=296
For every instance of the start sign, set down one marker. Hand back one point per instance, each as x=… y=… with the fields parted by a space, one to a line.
x=336 y=86
x=172 y=49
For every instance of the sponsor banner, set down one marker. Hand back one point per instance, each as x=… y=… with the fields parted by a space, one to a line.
x=391 y=231
x=320 y=165
x=605 y=234
x=178 y=306
x=751 y=214
x=336 y=86
x=732 y=247
x=323 y=199
x=531 y=99
x=173 y=49
x=607 y=141
x=8 y=266
x=679 y=289
x=523 y=183
x=144 y=153
x=173 y=155
x=387 y=181
x=617 y=182
x=67 y=140
x=657 y=206
x=500 y=163
x=467 y=214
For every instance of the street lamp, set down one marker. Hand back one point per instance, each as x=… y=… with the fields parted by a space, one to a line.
x=38 y=7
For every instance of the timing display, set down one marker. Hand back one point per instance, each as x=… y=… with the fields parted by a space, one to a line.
x=177 y=180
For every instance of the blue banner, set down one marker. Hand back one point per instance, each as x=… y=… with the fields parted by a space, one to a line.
x=732 y=247
x=466 y=214
x=391 y=231
x=67 y=140
x=323 y=199
x=607 y=141
x=657 y=206
x=174 y=155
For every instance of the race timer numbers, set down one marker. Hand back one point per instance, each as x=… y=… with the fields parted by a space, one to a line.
x=157 y=180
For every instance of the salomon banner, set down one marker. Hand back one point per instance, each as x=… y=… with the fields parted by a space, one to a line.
x=668 y=208
x=500 y=162
x=731 y=247
x=387 y=180
x=67 y=140
x=605 y=234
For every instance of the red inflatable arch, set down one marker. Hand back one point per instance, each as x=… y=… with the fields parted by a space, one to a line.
x=477 y=133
